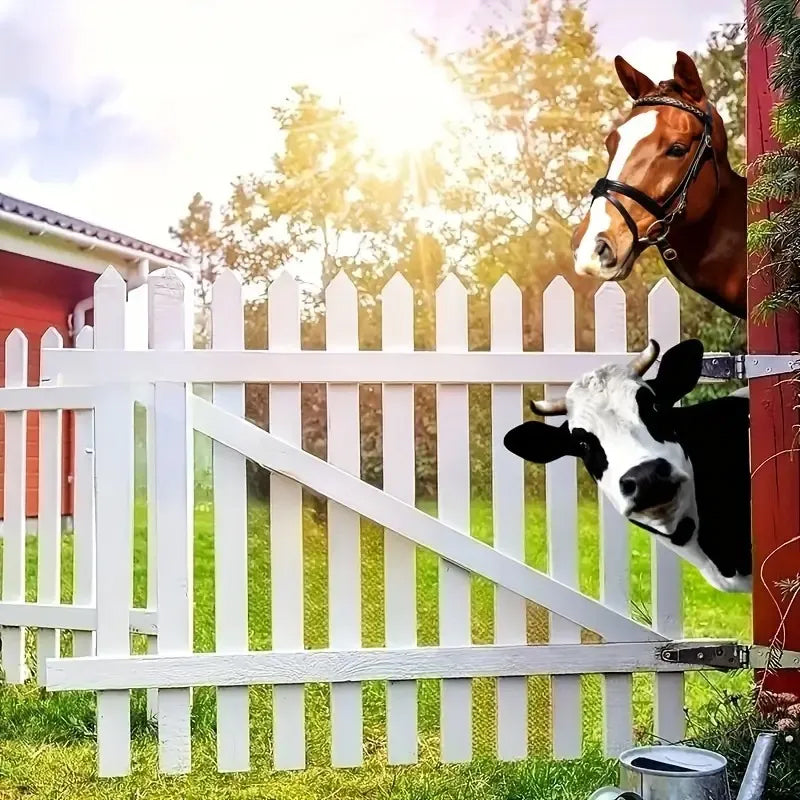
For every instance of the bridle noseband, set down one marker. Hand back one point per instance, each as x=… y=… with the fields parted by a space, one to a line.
x=670 y=209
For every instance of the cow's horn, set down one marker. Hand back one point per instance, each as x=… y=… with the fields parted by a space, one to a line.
x=549 y=408
x=645 y=359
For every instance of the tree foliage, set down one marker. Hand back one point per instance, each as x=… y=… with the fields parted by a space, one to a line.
x=722 y=65
x=499 y=193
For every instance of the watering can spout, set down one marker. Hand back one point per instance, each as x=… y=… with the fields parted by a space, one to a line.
x=755 y=777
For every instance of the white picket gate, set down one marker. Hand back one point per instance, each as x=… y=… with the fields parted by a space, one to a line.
x=100 y=380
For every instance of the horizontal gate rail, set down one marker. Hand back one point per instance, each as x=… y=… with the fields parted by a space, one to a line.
x=315 y=366
x=47 y=398
x=66 y=398
x=337 y=666
x=52 y=616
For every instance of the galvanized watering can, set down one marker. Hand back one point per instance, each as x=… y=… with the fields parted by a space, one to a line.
x=675 y=772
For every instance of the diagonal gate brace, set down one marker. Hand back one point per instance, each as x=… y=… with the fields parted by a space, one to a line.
x=453 y=545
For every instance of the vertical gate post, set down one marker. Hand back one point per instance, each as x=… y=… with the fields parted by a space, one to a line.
x=776 y=472
x=174 y=514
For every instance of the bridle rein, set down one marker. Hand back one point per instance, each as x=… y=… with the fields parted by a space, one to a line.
x=669 y=210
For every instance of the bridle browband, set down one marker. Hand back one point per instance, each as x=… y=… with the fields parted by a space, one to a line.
x=669 y=210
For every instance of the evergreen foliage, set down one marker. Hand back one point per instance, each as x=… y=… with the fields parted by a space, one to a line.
x=777 y=173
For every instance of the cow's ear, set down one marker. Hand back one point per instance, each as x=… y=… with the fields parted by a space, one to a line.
x=535 y=441
x=678 y=372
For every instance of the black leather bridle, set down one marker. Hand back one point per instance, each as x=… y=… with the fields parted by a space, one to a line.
x=667 y=211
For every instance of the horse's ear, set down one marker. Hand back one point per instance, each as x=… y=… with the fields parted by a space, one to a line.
x=635 y=83
x=688 y=78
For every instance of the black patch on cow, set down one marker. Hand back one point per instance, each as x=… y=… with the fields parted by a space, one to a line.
x=684 y=532
x=715 y=436
x=658 y=420
x=591 y=452
x=680 y=537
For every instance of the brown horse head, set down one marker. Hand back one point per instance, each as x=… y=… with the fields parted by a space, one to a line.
x=652 y=150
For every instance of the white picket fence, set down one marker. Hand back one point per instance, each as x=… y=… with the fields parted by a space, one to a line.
x=100 y=380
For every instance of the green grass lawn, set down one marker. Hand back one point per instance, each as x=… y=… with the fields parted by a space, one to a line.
x=47 y=741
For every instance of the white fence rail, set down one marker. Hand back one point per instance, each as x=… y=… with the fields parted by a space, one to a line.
x=101 y=380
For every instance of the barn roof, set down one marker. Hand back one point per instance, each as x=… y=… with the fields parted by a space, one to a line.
x=20 y=208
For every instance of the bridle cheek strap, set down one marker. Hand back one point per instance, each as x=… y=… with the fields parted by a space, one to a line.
x=670 y=209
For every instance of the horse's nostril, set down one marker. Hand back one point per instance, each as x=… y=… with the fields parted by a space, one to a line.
x=604 y=252
x=628 y=486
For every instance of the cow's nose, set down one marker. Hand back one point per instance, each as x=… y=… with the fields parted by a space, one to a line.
x=604 y=251
x=649 y=484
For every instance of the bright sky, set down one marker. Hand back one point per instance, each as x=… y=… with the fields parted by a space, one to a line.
x=119 y=112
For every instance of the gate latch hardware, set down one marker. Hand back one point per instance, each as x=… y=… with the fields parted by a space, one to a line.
x=730 y=656
x=727 y=367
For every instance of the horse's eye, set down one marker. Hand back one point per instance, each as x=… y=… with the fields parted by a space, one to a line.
x=677 y=150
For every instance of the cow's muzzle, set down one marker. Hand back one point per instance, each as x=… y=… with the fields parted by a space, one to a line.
x=650 y=484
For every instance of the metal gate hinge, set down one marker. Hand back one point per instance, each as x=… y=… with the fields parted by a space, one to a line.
x=729 y=656
x=719 y=655
x=727 y=367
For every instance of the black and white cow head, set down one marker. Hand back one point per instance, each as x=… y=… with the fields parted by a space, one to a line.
x=621 y=426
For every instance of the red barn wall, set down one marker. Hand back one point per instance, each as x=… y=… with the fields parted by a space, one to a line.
x=776 y=471
x=34 y=296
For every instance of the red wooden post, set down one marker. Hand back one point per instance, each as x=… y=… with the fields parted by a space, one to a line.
x=776 y=478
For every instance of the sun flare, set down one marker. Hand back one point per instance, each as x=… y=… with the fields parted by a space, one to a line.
x=400 y=101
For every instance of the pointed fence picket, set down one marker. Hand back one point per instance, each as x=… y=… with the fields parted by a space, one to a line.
x=286 y=531
x=93 y=382
x=83 y=569
x=173 y=517
x=344 y=534
x=49 y=528
x=399 y=553
x=508 y=520
x=230 y=535
x=14 y=490
x=561 y=498
x=452 y=460
x=663 y=314
x=113 y=431
x=611 y=337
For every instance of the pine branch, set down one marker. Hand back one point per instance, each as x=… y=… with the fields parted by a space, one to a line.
x=760 y=234
x=781 y=300
x=786 y=72
x=777 y=239
x=776 y=162
x=783 y=187
x=775 y=16
x=786 y=122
